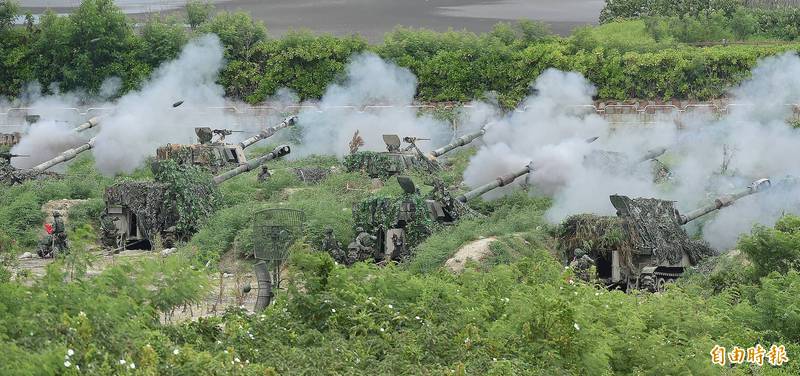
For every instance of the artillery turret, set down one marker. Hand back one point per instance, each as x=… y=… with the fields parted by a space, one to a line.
x=137 y=211
x=211 y=155
x=645 y=245
x=289 y=121
x=395 y=225
x=387 y=163
x=396 y=160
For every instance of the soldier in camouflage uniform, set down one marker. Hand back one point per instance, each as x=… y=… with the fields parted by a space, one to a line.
x=59 y=234
x=264 y=174
x=581 y=264
x=55 y=243
x=332 y=246
x=361 y=248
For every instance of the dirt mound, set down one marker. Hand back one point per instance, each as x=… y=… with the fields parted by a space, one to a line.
x=476 y=251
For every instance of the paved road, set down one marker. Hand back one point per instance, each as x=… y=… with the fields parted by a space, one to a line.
x=372 y=18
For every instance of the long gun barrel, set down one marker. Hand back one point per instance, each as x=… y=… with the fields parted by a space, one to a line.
x=500 y=181
x=289 y=121
x=280 y=151
x=461 y=141
x=65 y=156
x=91 y=123
x=726 y=200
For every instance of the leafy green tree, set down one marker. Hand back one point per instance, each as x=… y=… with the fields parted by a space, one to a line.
x=238 y=32
x=92 y=44
x=198 y=12
x=774 y=249
x=162 y=41
x=301 y=61
x=9 y=9
x=15 y=71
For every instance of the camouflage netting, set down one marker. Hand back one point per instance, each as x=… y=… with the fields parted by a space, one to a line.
x=594 y=234
x=381 y=213
x=147 y=201
x=311 y=175
x=360 y=161
x=11 y=176
x=654 y=225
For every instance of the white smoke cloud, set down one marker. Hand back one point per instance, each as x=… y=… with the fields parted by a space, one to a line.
x=145 y=119
x=369 y=80
x=52 y=133
x=754 y=139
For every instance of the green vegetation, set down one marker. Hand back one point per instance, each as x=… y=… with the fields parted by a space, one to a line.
x=643 y=49
x=514 y=313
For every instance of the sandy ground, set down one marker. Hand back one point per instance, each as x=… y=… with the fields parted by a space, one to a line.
x=475 y=251
x=373 y=18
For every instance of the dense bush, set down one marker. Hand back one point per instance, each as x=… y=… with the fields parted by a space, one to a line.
x=774 y=249
x=709 y=20
x=97 y=42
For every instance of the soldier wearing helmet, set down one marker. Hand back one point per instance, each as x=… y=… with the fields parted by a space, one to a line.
x=581 y=264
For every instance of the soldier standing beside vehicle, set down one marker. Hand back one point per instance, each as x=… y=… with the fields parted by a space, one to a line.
x=59 y=234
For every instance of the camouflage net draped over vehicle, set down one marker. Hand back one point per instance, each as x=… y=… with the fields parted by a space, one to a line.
x=594 y=234
x=147 y=201
x=182 y=196
x=10 y=175
x=654 y=225
x=381 y=213
x=361 y=160
x=192 y=193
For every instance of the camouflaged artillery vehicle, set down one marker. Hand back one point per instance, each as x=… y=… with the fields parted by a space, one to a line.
x=645 y=245
x=396 y=160
x=388 y=228
x=10 y=175
x=215 y=154
x=138 y=211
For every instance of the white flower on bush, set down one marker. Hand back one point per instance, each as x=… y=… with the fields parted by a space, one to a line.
x=133 y=365
x=176 y=351
x=122 y=362
x=382 y=329
x=67 y=363
x=70 y=352
x=576 y=326
x=236 y=360
x=417 y=317
x=333 y=310
x=391 y=306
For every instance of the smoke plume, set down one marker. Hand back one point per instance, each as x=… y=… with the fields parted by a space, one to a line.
x=707 y=157
x=146 y=119
x=369 y=80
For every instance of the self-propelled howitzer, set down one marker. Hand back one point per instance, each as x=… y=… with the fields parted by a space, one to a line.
x=289 y=121
x=138 y=211
x=645 y=245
